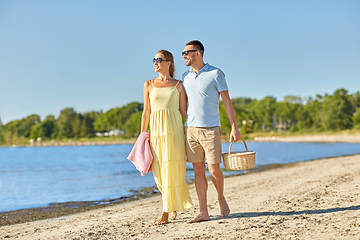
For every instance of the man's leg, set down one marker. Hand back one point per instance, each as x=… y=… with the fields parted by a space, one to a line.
x=201 y=189
x=217 y=178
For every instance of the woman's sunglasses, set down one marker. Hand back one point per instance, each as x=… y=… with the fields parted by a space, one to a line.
x=159 y=60
x=187 y=52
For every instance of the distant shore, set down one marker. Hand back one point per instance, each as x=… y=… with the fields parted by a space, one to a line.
x=71 y=142
x=341 y=136
x=336 y=137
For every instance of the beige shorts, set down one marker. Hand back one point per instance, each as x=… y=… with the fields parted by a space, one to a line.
x=201 y=141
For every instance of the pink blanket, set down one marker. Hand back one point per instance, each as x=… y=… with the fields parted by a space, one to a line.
x=141 y=155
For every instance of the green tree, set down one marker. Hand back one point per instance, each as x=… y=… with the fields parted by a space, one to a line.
x=116 y=117
x=257 y=127
x=224 y=120
x=108 y=121
x=87 y=125
x=113 y=118
x=254 y=115
x=24 y=125
x=76 y=125
x=240 y=103
x=132 y=126
x=286 y=112
x=303 y=118
x=293 y=99
x=101 y=124
x=44 y=129
x=126 y=111
x=243 y=130
x=265 y=111
x=64 y=123
x=338 y=111
x=314 y=109
x=11 y=131
x=356 y=119
x=283 y=113
x=355 y=101
x=2 y=133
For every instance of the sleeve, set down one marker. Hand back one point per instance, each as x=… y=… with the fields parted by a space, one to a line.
x=184 y=75
x=221 y=82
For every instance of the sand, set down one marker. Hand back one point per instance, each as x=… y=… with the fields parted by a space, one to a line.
x=339 y=137
x=309 y=200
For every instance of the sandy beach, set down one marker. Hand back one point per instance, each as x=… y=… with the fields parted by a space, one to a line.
x=338 y=137
x=308 y=200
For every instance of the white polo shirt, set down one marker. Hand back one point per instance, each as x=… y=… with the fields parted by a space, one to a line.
x=203 y=92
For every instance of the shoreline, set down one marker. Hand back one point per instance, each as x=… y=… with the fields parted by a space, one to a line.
x=70 y=142
x=318 y=199
x=336 y=138
x=55 y=210
x=343 y=136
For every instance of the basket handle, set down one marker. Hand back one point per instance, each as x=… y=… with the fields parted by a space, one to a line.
x=232 y=143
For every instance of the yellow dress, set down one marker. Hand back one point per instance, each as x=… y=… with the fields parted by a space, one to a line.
x=168 y=146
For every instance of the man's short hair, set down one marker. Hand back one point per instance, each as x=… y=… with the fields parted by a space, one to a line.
x=198 y=45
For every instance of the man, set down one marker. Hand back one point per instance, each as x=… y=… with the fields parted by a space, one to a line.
x=204 y=84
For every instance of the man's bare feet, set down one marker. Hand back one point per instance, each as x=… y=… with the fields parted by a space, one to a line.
x=224 y=207
x=200 y=217
x=164 y=219
x=173 y=215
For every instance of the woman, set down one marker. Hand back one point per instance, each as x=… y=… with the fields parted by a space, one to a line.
x=164 y=104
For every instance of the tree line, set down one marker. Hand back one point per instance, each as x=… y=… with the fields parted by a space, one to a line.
x=339 y=111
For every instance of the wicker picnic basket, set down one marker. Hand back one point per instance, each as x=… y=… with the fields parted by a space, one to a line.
x=239 y=160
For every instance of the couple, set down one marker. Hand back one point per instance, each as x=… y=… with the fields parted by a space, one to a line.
x=195 y=98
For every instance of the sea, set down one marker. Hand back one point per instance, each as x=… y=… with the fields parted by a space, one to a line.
x=39 y=176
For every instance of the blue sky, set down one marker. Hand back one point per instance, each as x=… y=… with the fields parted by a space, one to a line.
x=96 y=55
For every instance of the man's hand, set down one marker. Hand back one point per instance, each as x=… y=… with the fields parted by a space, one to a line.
x=235 y=135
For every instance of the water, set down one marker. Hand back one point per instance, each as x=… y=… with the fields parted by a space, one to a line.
x=36 y=177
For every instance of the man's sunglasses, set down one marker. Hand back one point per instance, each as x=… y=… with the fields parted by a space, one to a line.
x=187 y=52
x=159 y=60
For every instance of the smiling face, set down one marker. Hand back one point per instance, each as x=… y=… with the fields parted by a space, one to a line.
x=191 y=57
x=163 y=66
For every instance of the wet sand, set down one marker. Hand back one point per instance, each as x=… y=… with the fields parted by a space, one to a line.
x=67 y=208
x=308 y=200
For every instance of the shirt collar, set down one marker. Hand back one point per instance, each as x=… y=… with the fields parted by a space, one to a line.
x=205 y=68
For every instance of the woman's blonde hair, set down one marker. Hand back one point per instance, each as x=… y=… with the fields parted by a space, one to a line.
x=168 y=56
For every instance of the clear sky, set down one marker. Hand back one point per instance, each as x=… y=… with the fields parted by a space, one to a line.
x=96 y=55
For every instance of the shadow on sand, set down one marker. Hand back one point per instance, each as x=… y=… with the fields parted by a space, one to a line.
x=290 y=213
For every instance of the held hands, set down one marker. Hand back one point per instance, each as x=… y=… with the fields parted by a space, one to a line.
x=235 y=135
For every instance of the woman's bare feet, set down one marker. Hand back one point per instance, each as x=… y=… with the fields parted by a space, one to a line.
x=173 y=215
x=224 y=207
x=164 y=219
x=200 y=217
